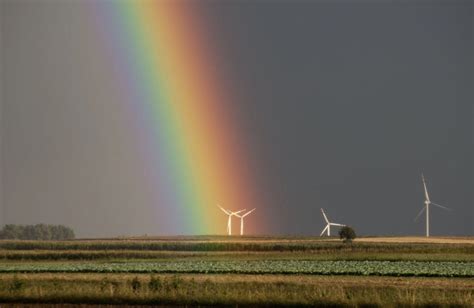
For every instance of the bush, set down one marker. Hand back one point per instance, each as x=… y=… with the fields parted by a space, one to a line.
x=135 y=284
x=36 y=232
x=155 y=284
x=347 y=234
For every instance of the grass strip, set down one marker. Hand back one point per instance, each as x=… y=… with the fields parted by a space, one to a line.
x=249 y=290
x=305 y=245
x=127 y=255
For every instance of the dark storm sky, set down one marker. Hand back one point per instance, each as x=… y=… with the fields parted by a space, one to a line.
x=347 y=102
x=344 y=104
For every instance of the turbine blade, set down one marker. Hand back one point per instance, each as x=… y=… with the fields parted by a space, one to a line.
x=325 y=217
x=248 y=213
x=324 y=230
x=237 y=212
x=225 y=211
x=426 y=190
x=334 y=224
x=443 y=207
x=422 y=210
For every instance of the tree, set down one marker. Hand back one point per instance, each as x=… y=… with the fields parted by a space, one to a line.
x=67 y=233
x=36 y=232
x=347 y=234
x=11 y=232
x=29 y=233
x=42 y=232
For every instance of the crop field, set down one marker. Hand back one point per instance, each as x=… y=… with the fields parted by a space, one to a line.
x=303 y=267
x=233 y=270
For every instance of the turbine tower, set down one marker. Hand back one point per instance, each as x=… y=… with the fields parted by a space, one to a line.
x=242 y=220
x=229 y=221
x=427 y=207
x=329 y=224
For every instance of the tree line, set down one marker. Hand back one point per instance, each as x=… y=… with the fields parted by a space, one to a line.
x=36 y=232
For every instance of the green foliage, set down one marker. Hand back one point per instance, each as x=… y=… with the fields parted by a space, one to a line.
x=12 y=232
x=155 y=284
x=295 y=267
x=135 y=284
x=347 y=234
x=176 y=282
x=36 y=232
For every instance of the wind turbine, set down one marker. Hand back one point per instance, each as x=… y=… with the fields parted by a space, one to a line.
x=329 y=224
x=229 y=221
x=427 y=207
x=242 y=220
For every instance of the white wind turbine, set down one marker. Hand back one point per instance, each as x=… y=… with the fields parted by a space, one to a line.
x=329 y=224
x=242 y=220
x=427 y=207
x=229 y=221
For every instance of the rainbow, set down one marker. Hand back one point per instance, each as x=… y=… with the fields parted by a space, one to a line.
x=193 y=155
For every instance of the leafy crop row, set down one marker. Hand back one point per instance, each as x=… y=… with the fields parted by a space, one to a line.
x=382 y=268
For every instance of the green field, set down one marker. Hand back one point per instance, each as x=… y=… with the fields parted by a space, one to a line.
x=250 y=271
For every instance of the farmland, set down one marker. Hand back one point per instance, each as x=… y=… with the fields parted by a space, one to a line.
x=296 y=267
x=235 y=270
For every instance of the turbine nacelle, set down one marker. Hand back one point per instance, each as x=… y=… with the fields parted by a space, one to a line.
x=229 y=220
x=426 y=208
x=329 y=224
x=242 y=220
